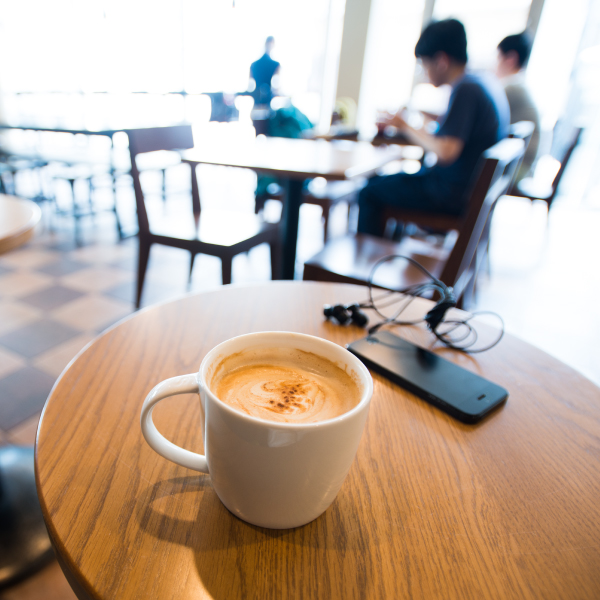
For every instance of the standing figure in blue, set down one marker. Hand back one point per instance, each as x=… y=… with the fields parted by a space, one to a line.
x=478 y=116
x=262 y=72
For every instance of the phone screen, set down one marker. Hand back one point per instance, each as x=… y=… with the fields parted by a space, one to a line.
x=462 y=394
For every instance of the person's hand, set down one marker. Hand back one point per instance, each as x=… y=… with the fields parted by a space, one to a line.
x=398 y=121
x=382 y=119
x=385 y=119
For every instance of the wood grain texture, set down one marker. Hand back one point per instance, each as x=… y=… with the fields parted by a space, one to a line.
x=432 y=508
x=296 y=159
x=18 y=219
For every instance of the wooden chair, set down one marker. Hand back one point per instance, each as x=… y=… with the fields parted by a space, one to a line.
x=350 y=259
x=539 y=189
x=217 y=233
x=522 y=130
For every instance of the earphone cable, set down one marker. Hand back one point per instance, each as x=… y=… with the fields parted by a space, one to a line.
x=464 y=342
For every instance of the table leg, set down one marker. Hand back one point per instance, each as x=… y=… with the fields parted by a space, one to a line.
x=289 y=226
x=195 y=190
x=24 y=542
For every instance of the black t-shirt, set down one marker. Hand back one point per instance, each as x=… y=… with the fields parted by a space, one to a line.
x=479 y=115
x=262 y=72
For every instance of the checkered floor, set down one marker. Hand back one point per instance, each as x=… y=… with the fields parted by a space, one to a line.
x=52 y=303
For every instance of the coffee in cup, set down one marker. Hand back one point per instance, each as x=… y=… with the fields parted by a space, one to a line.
x=285 y=385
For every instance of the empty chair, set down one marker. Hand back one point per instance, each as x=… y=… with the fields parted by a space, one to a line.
x=218 y=233
x=351 y=258
x=82 y=175
x=543 y=186
x=523 y=130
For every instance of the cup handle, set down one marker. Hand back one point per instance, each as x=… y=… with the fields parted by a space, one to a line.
x=184 y=384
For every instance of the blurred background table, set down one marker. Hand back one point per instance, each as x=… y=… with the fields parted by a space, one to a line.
x=18 y=218
x=431 y=507
x=293 y=161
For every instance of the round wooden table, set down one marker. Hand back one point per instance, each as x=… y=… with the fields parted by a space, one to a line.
x=432 y=508
x=18 y=218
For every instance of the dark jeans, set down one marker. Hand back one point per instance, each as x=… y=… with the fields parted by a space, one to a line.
x=420 y=191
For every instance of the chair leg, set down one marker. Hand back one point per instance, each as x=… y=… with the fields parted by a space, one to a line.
x=143 y=255
x=275 y=255
x=90 y=203
x=192 y=258
x=114 y=208
x=259 y=204
x=349 y=216
x=76 y=216
x=226 y=269
x=548 y=204
x=325 y=223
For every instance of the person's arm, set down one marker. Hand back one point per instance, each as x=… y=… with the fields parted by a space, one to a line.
x=456 y=127
x=429 y=116
x=446 y=147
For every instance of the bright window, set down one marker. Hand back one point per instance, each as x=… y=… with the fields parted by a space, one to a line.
x=124 y=46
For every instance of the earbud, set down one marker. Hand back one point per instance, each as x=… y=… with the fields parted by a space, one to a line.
x=436 y=315
x=337 y=312
x=343 y=314
x=358 y=316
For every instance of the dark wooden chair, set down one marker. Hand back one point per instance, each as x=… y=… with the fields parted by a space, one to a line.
x=351 y=258
x=218 y=233
x=562 y=149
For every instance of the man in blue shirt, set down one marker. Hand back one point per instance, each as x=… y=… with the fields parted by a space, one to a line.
x=477 y=117
x=262 y=72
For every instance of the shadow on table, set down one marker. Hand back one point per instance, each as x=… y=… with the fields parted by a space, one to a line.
x=325 y=558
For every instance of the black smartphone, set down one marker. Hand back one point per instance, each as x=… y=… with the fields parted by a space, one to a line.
x=462 y=394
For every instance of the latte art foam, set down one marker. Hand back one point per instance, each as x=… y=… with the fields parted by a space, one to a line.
x=308 y=390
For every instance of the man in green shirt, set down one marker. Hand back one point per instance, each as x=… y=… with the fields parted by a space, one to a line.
x=513 y=54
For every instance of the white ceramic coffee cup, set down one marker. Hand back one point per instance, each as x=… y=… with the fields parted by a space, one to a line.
x=276 y=475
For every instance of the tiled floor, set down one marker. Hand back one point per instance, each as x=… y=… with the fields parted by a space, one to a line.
x=55 y=297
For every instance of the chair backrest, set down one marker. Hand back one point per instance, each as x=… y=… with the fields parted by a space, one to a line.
x=152 y=139
x=562 y=151
x=495 y=173
x=522 y=130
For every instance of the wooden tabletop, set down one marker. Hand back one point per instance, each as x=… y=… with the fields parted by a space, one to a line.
x=432 y=508
x=297 y=159
x=18 y=218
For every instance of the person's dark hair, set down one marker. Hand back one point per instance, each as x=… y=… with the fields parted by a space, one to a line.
x=519 y=43
x=446 y=36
